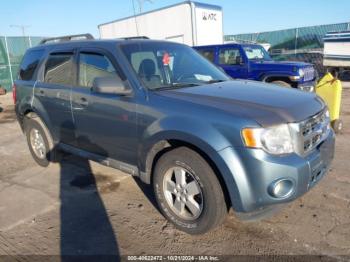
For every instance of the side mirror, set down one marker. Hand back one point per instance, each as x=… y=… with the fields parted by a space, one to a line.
x=110 y=85
x=239 y=60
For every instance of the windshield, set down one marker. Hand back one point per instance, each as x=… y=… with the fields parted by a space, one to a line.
x=256 y=53
x=170 y=65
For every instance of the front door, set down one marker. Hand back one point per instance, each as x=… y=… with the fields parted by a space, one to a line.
x=231 y=60
x=105 y=123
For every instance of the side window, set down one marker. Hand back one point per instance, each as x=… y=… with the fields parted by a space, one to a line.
x=228 y=56
x=208 y=54
x=59 y=69
x=29 y=64
x=92 y=65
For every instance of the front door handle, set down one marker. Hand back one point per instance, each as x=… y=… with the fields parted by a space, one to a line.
x=83 y=101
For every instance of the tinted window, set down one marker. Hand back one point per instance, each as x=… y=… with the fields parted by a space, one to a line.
x=228 y=56
x=208 y=54
x=94 y=65
x=59 y=69
x=29 y=64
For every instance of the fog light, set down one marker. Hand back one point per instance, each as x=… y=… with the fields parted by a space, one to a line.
x=281 y=188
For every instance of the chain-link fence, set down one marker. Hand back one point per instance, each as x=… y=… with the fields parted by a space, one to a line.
x=12 y=50
x=297 y=44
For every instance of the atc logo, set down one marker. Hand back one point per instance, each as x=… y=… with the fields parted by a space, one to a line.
x=209 y=16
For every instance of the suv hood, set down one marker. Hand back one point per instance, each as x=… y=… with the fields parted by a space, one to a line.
x=264 y=103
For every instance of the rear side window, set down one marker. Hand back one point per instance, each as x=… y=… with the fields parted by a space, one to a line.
x=208 y=54
x=29 y=64
x=59 y=69
x=94 y=65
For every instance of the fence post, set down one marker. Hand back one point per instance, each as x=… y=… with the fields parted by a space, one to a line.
x=296 y=40
x=8 y=58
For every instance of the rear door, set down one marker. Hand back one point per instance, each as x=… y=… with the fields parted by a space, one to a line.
x=228 y=59
x=53 y=92
x=105 y=123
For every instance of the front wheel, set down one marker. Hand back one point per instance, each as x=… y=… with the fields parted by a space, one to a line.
x=281 y=83
x=188 y=192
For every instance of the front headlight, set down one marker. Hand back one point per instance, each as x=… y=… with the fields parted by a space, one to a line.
x=301 y=72
x=275 y=140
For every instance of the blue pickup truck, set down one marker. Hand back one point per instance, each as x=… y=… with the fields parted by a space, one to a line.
x=252 y=61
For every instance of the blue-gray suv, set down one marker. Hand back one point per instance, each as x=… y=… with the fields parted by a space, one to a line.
x=161 y=112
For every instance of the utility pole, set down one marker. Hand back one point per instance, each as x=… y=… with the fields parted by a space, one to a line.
x=22 y=27
x=141 y=4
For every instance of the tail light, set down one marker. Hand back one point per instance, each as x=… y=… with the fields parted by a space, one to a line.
x=14 y=93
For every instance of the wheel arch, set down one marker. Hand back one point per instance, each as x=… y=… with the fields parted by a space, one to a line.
x=208 y=153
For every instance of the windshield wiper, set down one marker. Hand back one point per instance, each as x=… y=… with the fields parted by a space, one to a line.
x=176 y=85
x=215 y=81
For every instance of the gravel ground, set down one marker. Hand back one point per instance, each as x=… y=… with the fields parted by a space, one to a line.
x=78 y=207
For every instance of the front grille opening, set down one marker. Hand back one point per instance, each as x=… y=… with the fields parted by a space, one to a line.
x=313 y=130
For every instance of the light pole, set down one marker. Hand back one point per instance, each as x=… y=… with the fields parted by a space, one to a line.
x=22 y=27
x=142 y=2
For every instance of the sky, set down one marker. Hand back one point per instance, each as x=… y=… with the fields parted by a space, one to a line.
x=63 y=17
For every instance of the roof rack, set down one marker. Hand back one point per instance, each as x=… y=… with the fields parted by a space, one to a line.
x=135 y=38
x=67 y=38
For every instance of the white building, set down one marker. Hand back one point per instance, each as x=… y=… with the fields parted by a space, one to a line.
x=190 y=23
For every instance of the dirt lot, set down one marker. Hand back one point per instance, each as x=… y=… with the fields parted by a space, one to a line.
x=79 y=207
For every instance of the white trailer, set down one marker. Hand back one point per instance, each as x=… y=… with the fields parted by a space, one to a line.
x=190 y=23
x=337 y=51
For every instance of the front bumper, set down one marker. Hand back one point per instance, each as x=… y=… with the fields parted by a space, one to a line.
x=307 y=86
x=256 y=170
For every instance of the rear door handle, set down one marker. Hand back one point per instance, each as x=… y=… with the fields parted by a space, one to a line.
x=41 y=92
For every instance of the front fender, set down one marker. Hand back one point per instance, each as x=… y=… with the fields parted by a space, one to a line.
x=265 y=76
x=190 y=131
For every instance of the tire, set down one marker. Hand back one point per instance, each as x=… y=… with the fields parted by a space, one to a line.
x=281 y=83
x=34 y=128
x=337 y=126
x=210 y=205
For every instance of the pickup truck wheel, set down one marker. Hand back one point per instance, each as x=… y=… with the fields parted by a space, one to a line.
x=281 y=83
x=40 y=141
x=188 y=192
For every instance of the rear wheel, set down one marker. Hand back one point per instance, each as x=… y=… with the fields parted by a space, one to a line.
x=40 y=141
x=188 y=191
x=281 y=83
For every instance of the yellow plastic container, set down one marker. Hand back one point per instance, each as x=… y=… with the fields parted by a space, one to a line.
x=330 y=90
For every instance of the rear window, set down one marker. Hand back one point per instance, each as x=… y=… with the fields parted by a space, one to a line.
x=59 y=69
x=29 y=64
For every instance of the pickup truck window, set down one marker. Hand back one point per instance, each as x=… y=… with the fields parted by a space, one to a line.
x=29 y=64
x=59 y=69
x=228 y=56
x=208 y=54
x=256 y=53
x=170 y=65
x=92 y=65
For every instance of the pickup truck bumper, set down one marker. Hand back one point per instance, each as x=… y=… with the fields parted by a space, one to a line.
x=256 y=174
x=307 y=86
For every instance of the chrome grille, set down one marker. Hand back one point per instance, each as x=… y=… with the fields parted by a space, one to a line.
x=311 y=132
x=309 y=74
